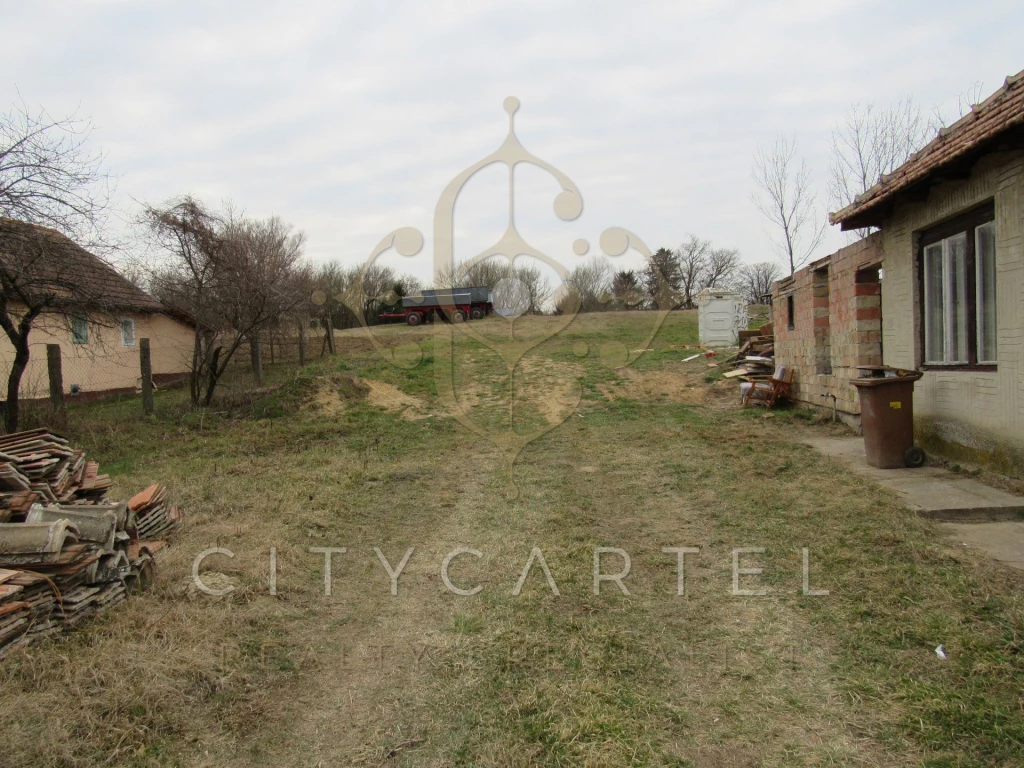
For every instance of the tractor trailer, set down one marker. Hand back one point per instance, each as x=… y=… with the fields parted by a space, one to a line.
x=456 y=305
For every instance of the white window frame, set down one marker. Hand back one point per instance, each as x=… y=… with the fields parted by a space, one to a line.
x=949 y=300
x=83 y=322
x=960 y=319
x=127 y=323
x=978 y=301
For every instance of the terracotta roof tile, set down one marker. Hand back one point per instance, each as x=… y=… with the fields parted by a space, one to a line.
x=1000 y=112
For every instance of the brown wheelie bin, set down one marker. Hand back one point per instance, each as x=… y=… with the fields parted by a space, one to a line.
x=887 y=416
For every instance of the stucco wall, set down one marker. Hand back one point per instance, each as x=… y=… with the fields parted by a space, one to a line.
x=974 y=414
x=103 y=363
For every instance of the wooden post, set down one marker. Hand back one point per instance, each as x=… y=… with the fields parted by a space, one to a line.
x=146 y=369
x=256 y=358
x=53 y=368
x=302 y=342
x=330 y=333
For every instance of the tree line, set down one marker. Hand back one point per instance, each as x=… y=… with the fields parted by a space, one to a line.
x=671 y=279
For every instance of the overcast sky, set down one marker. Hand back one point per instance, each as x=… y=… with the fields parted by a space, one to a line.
x=347 y=119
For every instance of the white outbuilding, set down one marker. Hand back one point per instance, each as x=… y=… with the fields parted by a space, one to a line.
x=721 y=314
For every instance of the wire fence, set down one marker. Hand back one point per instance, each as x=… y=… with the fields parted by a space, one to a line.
x=64 y=374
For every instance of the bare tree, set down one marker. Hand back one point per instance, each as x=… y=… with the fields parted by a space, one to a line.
x=755 y=280
x=871 y=142
x=48 y=176
x=47 y=280
x=378 y=290
x=587 y=289
x=785 y=198
x=51 y=189
x=966 y=101
x=235 y=276
x=261 y=261
x=491 y=272
x=537 y=285
x=692 y=256
x=720 y=268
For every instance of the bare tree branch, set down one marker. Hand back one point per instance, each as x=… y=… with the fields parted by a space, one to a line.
x=871 y=142
x=786 y=199
x=755 y=280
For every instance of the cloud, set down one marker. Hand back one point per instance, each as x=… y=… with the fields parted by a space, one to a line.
x=348 y=119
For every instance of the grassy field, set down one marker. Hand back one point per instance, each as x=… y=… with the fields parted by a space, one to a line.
x=361 y=453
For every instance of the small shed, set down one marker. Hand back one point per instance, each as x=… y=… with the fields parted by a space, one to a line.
x=721 y=314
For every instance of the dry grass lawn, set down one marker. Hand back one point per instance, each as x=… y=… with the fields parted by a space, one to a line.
x=359 y=453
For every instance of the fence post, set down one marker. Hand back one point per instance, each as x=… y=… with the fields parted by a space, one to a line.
x=256 y=358
x=330 y=334
x=56 y=375
x=146 y=368
x=302 y=343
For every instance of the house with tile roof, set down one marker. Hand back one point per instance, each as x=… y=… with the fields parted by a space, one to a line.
x=91 y=311
x=939 y=287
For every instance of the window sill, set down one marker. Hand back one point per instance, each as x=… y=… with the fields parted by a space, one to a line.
x=977 y=368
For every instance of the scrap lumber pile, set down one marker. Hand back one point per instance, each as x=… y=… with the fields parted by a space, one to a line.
x=66 y=553
x=757 y=353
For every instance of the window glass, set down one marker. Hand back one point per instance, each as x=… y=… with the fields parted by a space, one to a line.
x=956 y=299
x=934 y=323
x=79 y=330
x=985 y=260
x=127 y=332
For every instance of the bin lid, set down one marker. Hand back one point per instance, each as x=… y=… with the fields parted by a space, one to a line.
x=881 y=375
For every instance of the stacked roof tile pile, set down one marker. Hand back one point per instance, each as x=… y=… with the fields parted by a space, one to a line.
x=156 y=518
x=68 y=554
x=39 y=466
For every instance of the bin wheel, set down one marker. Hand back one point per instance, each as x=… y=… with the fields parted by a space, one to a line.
x=458 y=316
x=476 y=313
x=914 y=457
x=414 y=318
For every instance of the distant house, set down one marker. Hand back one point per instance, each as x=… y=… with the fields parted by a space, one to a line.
x=940 y=287
x=102 y=316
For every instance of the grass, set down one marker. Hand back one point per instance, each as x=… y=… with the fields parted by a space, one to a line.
x=652 y=456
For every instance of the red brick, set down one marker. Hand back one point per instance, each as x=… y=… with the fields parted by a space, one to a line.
x=869 y=313
x=868 y=289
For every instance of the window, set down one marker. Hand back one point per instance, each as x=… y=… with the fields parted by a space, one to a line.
x=79 y=330
x=822 y=322
x=790 y=318
x=985 y=263
x=958 y=292
x=127 y=332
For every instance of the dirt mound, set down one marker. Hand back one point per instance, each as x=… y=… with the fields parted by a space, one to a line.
x=667 y=386
x=391 y=398
x=330 y=394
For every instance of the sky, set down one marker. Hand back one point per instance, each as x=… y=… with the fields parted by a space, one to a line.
x=348 y=119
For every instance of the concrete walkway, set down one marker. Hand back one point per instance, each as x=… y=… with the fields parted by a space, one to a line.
x=976 y=514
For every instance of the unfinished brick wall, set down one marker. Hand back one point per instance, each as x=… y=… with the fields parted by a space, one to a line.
x=836 y=325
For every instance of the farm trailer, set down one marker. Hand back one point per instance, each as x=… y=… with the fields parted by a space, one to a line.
x=454 y=305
